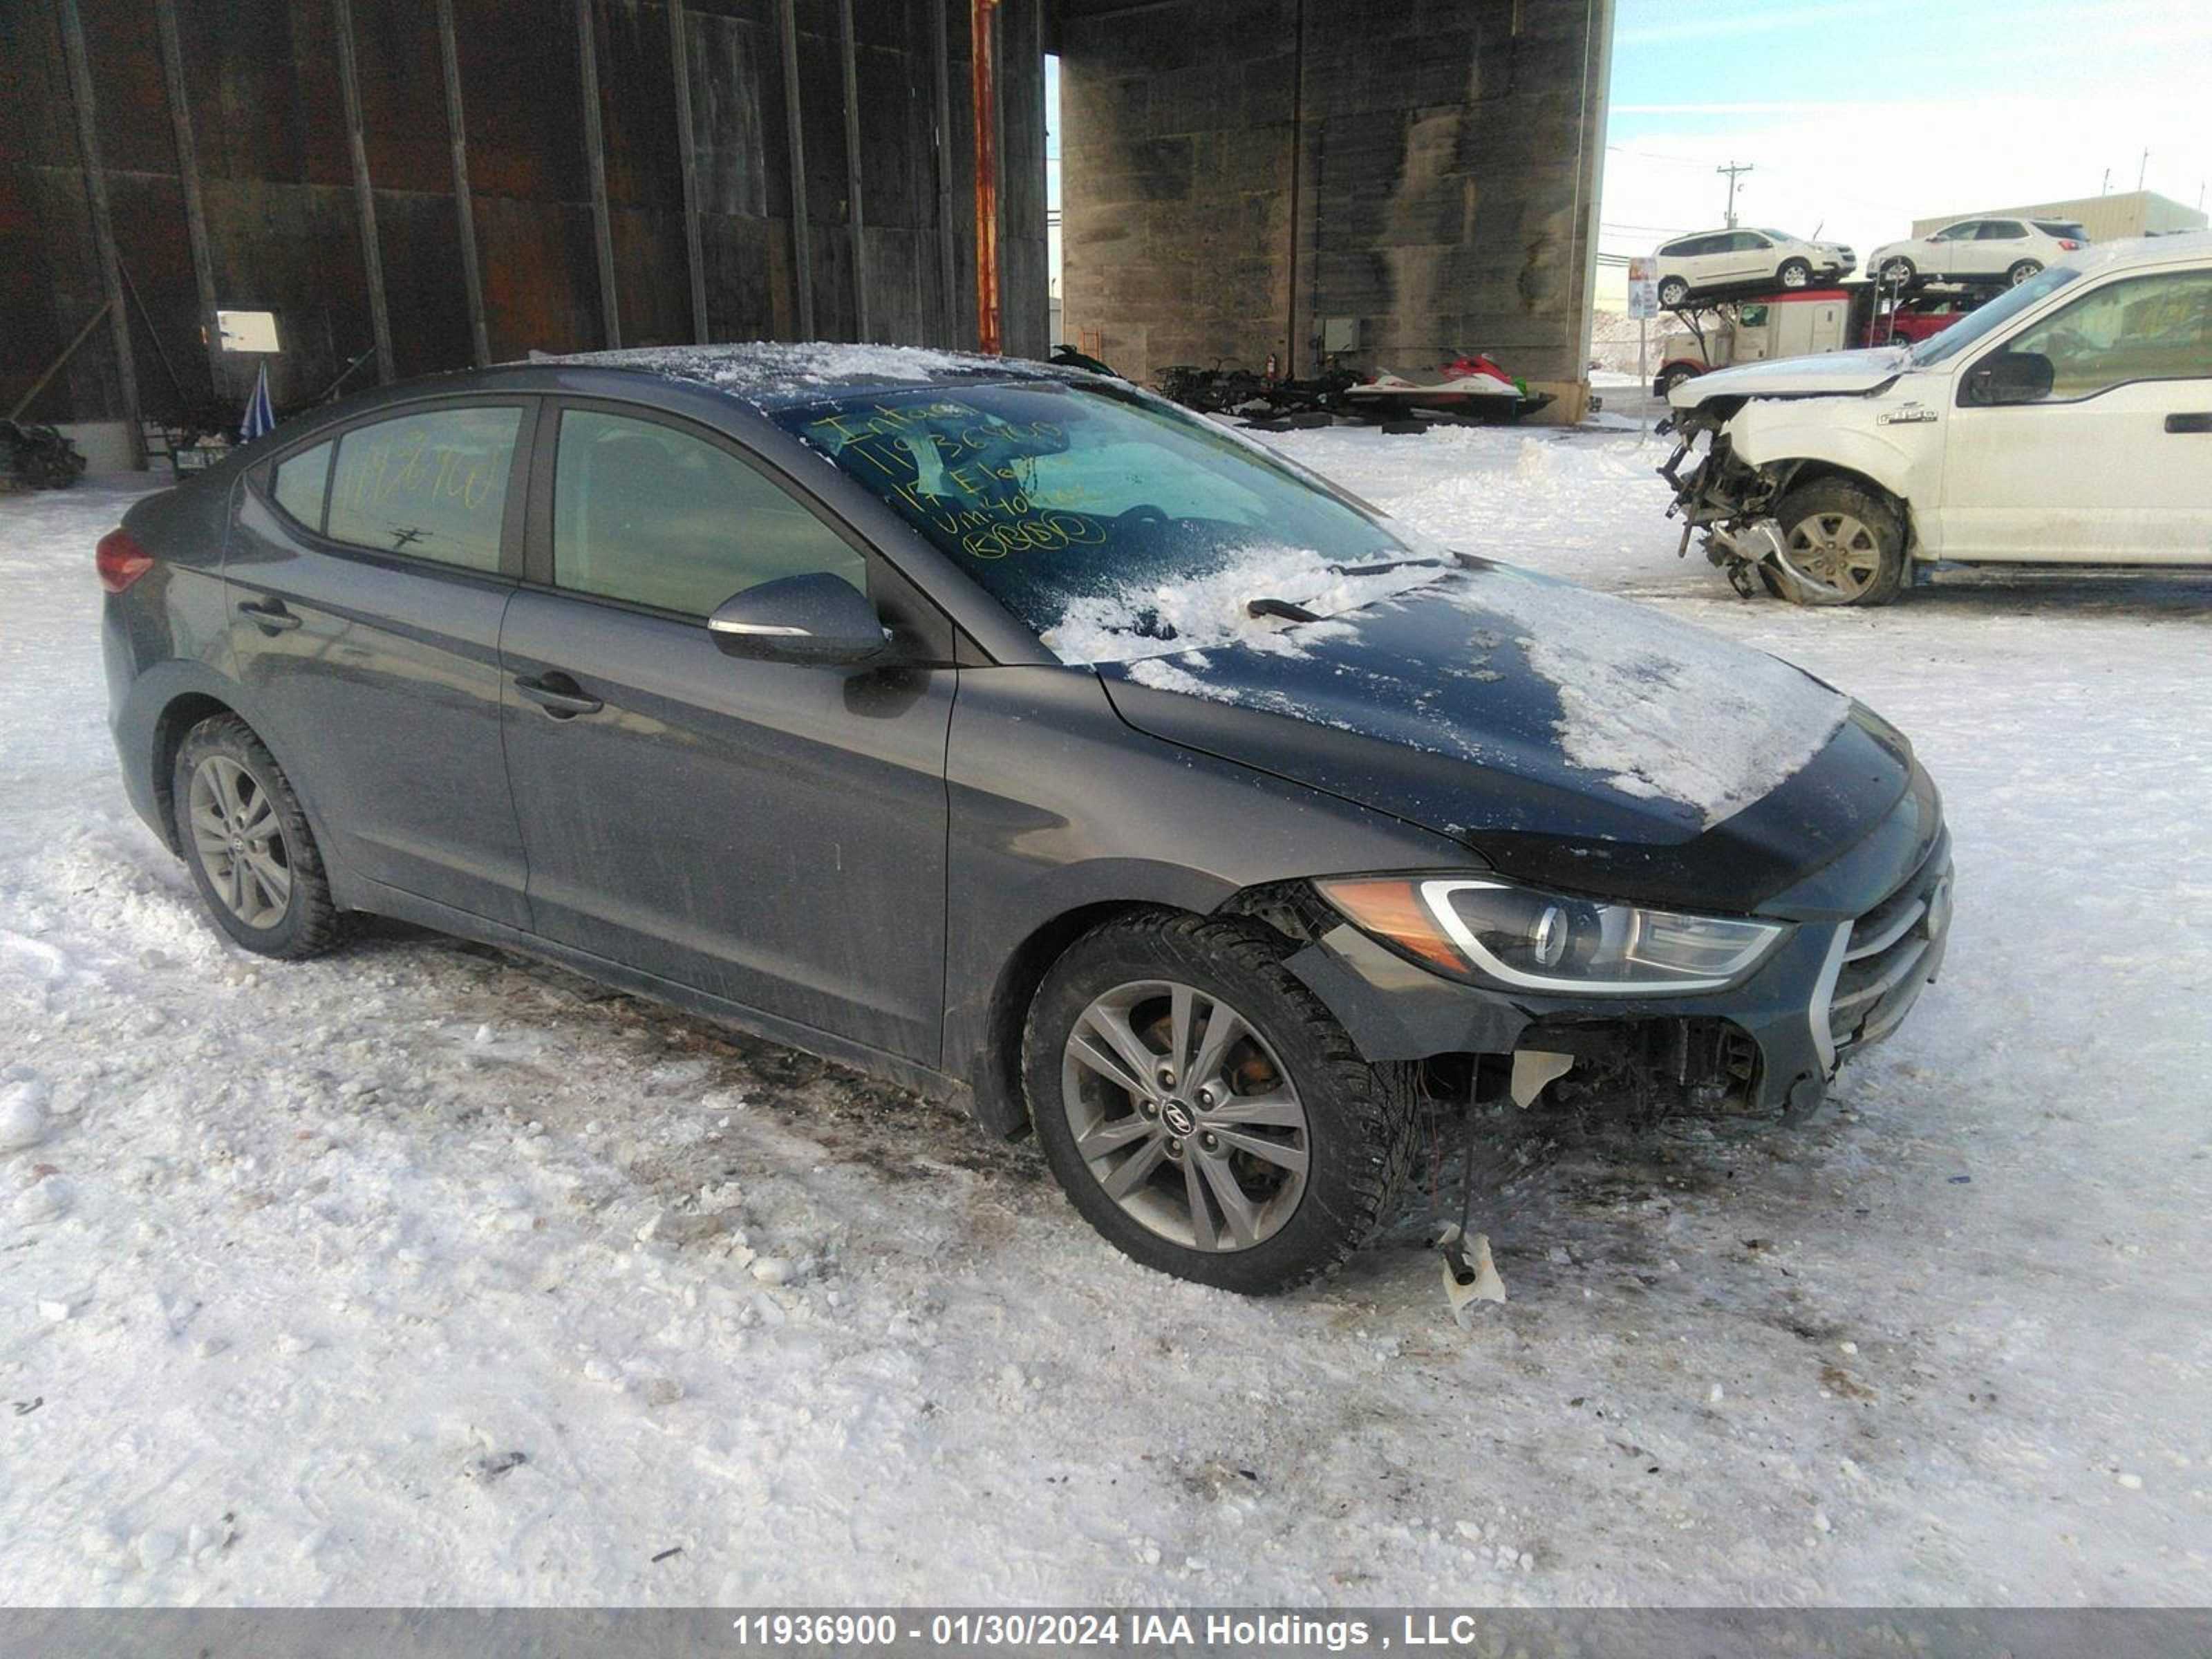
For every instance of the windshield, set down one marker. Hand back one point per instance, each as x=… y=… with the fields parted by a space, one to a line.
x=1111 y=523
x=1977 y=325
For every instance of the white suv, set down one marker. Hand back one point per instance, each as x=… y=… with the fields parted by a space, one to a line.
x=1993 y=250
x=1712 y=259
x=2067 y=422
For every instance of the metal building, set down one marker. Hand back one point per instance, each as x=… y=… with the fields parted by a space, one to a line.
x=415 y=185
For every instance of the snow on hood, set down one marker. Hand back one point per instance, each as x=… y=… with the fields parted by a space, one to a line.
x=1836 y=372
x=1532 y=679
x=1153 y=619
x=1662 y=709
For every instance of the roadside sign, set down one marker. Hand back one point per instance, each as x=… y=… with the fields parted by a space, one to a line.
x=1643 y=286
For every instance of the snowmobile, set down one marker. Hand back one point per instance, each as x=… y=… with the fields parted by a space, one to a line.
x=1472 y=389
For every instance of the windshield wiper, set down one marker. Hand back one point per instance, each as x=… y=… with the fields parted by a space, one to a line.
x=1285 y=609
x=1386 y=567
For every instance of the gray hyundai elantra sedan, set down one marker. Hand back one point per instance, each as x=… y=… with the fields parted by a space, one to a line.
x=1015 y=735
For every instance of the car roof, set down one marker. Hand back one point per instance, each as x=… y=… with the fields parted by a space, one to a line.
x=778 y=373
x=2142 y=251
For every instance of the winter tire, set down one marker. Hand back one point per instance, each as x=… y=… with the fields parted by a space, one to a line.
x=1795 y=273
x=2022 y=270
x=1673 y=292
x=1204 y=1111
x=246 y=841
x=1842 y=544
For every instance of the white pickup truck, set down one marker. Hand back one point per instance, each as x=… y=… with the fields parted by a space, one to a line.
x=2068 y=421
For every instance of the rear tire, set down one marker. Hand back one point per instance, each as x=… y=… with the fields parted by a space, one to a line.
x=2022 y=270
x=1289 y=1083
x=1843 y=544
x=246 y=841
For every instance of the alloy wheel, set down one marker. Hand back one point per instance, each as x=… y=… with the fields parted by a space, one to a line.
x=1184 y=1115
x=1834 y=554
x=239 y=842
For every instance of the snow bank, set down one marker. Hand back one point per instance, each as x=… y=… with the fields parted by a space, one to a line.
x=1151 y=619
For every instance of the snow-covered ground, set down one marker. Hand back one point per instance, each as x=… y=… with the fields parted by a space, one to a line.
x=422 y=1273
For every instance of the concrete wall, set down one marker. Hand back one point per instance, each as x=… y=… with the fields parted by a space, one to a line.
x=1235 y=171
x=262 y=86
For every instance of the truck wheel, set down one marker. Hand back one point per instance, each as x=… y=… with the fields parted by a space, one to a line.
x=1899 y=272
x=1673 y=292
x=1204 y=1111
x=1842 y=544
x=1795 y=273
x=1672 y=376
x=2021 y=271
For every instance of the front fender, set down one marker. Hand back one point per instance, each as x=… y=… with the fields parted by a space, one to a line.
x=1899 y=456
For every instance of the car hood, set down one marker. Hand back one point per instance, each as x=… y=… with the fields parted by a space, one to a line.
x=1565 y=736
x=1835 y=373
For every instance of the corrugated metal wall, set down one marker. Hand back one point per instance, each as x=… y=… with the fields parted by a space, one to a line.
x=262 y=81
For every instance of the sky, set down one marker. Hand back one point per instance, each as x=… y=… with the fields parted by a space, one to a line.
x=1860 y=116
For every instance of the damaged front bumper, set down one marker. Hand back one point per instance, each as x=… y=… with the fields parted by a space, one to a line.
x=1723 y=497
x=1870 y=934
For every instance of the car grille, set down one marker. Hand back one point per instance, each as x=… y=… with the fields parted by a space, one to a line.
x=1891 y=954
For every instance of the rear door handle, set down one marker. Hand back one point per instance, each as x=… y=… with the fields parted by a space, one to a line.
x=2201 y=421
x=558 y=695
x=269 y=615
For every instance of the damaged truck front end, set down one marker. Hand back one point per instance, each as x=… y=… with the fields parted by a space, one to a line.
x=1800 y=474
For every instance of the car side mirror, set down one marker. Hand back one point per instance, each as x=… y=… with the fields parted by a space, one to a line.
x=2014 y=377
x=814 y=618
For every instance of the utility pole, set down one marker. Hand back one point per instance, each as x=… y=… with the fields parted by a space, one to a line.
x=1732 y=169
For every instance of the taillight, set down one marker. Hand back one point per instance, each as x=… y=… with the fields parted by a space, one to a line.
x=121 y=560
x=2068 y=244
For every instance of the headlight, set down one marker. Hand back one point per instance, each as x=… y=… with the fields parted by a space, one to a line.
x=1481 y=928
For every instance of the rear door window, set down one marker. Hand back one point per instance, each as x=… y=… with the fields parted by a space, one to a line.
x=432 y=486
x=300 y=484
x=2002 y=230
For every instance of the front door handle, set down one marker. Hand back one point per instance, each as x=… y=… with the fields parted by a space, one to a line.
x=2200 y=421
x=558 y=695
x=269 y=615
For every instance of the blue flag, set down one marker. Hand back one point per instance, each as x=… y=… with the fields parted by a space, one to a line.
x=260 y=418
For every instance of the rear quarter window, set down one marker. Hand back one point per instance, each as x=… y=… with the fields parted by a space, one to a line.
x=300 y=483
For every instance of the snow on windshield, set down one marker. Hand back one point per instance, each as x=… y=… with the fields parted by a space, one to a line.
x=1195 y=613
x=1663 y=709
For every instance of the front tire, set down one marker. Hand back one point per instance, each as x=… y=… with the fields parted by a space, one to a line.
x=1673 y=292
x=1899 y=272
x=1795 y=274
x=246 y=841
x=2021 y=271
x=1671 y=377
x=1204 y=1111
x=1842 y=544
